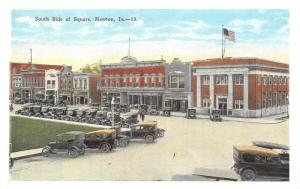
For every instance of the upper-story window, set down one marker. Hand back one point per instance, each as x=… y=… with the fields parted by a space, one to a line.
x=221 y=80
x=238 y=79
x=270 y=80
x=176 y=81
x=280 y=80
x=205 y=80
x=84 y=84
x=153 y=82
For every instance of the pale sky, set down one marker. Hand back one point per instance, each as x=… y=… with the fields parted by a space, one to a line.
x=185 y=34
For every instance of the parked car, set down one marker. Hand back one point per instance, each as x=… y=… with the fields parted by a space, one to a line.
x=44 y=111
x=146 y=130
x=11 y=160
x=80 y=115
x=71 y=142
x=153 y=110
x=166 y=111
x=101 y=117
x=261 y=159
x=124 y=108
x=191 y=113
x=90 y=115
x=70 y=114
x=129 y=119
x=35 y=110
x=104 y=140
x=11 y=107
x=215 y=115
x=59 y=112
x=25 y=108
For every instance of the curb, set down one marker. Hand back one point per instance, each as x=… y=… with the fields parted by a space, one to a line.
x=29 y=154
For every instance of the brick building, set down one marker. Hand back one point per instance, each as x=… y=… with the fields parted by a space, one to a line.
x=245 y=87
x=65 y=85
x=27 y=80
x=133 y=82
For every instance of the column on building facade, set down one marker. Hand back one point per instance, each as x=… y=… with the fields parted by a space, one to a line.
x=230 y=93
x=245 y=98
x=198 y=89
x=211 y=91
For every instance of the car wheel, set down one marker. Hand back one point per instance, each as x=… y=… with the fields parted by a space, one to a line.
x=149 y=138
x=105 y=148
x=248 y=175
x=46 y=151
x=73 y=153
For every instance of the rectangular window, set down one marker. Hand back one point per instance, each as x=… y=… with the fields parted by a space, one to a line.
x=205 y=80
x=48 y=84
x=239 y=79
x=270 y=80
x=205 y=103
x=265 y=80
x=85 y=84
x=176 y=82
x=258 y=79
x=221 y=80
x=238 y=104
x=181 y=82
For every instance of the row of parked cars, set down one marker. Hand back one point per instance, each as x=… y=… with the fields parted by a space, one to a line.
x=91 y=115
x=76 y=142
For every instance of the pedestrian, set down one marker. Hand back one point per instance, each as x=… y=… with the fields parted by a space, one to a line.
x=143 y=116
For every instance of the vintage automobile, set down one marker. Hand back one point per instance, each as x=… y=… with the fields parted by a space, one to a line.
x=191 y=113
x=146 y=130
x=35 y=110
x=90 y=115
x=44 y=111
x=11 y=107
x=215 y=115
x=100 y=117
x=261 y=159
x=153 y=110
x=129 y=119
x=25 y=108
x=166 y=111
x=80 y=115
x=11 y=160
x=71 y=142
x=124 y=108
x=70 y=114
x=104 y=140
x=59 y=112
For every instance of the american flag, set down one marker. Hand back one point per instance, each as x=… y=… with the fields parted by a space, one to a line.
x=230 y=35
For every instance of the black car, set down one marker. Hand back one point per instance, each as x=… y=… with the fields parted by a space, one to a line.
x=71 y=142
x=261 y=159
x=191 y=113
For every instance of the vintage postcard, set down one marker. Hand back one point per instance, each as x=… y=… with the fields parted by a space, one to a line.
x=149 y=95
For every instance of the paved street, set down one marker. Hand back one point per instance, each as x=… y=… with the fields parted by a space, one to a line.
x=187 y=145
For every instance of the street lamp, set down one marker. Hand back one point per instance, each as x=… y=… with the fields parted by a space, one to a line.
x=113 y=111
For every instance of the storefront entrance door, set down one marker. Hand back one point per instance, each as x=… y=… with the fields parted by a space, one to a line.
x=222 y=105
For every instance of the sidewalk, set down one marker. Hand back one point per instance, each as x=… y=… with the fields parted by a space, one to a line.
x=264 y=120
x=26 y=154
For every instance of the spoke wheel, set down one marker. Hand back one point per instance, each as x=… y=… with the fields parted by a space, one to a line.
x=149 y=138
x=105 y=148
x=73 y=153
x=248 y=175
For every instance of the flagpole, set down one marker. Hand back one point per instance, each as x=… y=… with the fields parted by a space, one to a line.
x=222 y=41
x=224 y=47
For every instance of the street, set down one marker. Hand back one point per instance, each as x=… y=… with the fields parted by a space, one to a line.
x=188 y=144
